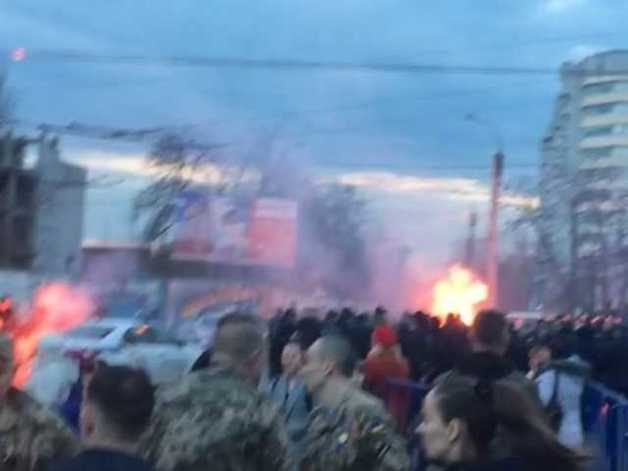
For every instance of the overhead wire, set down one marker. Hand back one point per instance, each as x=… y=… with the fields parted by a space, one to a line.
x=76 y=56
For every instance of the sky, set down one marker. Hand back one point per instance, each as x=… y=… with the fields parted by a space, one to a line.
x=401 y=138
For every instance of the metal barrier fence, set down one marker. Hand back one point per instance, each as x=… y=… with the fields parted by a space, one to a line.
x=605 y=421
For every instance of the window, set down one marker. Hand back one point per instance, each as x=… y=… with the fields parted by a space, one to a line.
x=600 y=88
x=90 y=332
x=606 y=108
x=598 y=131
x=597 y=109
x=146 y=334
x=597 y=88
x=599 y=153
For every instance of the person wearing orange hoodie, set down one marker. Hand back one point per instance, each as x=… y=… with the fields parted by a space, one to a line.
x=384 y=362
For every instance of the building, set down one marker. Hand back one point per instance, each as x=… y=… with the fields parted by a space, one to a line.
x=42 y=202
x=584 y=187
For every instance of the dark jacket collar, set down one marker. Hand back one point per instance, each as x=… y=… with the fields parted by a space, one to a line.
x=506 y=464
x=485 y=365
x=572 y=366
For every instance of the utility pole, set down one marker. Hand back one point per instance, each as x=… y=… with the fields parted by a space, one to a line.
x=470 y=252
x=492 y=249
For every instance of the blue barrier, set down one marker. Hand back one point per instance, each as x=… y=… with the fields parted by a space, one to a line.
x=403 y=400
x=605 y=421
x=604 y=414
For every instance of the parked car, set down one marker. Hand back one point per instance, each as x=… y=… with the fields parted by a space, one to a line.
x=126 y=341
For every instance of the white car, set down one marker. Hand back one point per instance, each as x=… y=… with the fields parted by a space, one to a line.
x=128 y=342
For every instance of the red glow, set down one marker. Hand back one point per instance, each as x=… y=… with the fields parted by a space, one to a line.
x=57 y=307
x=6 y=304
x=18 y=54
x=460 y=292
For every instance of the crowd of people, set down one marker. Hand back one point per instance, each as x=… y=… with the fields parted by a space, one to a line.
x=303 y=393
x=551 y=361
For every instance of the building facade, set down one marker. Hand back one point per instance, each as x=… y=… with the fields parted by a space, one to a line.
x=583 y=226
x=42 y=201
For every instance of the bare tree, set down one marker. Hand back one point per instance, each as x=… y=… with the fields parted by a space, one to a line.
x=334 y=218
x=177 y=164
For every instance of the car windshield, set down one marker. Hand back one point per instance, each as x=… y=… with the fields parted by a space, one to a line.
x=90 y=332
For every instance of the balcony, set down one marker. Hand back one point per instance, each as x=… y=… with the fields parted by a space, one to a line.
x=612 y=140
x=604 y=79
x=605 y=98
x=604 y=120
x=620 y=161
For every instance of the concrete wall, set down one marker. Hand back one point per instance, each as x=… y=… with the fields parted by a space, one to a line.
x=60 y=218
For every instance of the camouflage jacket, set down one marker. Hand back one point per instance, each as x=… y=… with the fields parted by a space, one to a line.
x=357 y=435
x=32 y=437
x=213 y=420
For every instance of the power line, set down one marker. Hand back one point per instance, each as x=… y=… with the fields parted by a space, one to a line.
x=290 y=64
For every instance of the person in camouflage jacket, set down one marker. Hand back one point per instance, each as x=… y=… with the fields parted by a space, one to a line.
x=216 y=419
x=349 y=429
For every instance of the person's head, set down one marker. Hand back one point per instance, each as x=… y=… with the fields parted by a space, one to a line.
x=7 y=365
x=331 y=316
x=379 y=316
x=290 y=316
x=330 y=356
x=291 y=359
x=490 y=333
x=461 y=417
x=384 y=336
x=117 y=405
x=564 y=344
x=239 y=341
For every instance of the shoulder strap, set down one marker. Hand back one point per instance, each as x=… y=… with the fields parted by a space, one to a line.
x=274 y=383
x=308 y=401
x=554 y=397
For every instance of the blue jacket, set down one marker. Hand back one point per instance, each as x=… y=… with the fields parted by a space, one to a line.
x=295 y=405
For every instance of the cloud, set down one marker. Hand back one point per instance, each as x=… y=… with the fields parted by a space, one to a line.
x=560 y=6
x=458 y=189
x=136 y=167
x=579 y=52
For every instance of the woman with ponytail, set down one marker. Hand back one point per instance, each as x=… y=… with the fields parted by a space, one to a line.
x=481 y=426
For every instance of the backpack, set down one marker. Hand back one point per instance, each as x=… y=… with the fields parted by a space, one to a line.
x=553 y=410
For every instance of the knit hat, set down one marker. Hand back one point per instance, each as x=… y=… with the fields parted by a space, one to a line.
x=385 y=336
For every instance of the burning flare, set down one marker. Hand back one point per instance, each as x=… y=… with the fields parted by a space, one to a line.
x=459 y=293
x=57 y=307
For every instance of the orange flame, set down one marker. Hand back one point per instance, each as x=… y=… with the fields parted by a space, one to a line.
x=57 y=307
x=459 y=293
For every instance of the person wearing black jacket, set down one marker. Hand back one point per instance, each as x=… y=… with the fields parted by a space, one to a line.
x=462 y=417
x=490 y=339
x=115 y=412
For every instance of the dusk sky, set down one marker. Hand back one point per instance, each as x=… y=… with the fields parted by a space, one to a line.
x=401 y=137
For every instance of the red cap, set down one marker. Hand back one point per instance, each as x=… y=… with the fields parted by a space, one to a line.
x=385 y=335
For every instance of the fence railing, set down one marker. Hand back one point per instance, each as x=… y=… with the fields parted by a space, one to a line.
x=605 y=422
x=604 y=415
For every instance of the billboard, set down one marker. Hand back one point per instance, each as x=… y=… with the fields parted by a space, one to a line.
x=232 y=230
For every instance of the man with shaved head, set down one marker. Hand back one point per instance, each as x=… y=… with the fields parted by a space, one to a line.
x=32 y=436
x=349 y=429
x=216 y=418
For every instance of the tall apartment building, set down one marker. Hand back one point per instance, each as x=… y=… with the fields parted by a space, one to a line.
x=583 y=246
